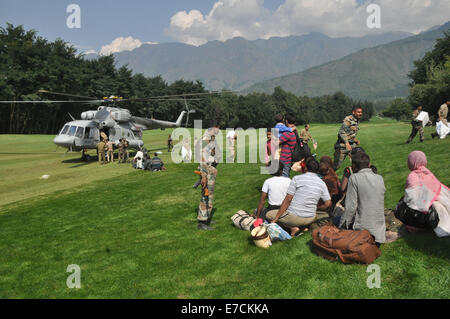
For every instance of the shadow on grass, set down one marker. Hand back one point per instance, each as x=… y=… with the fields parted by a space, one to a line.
x=428 y=243
x=79 y=160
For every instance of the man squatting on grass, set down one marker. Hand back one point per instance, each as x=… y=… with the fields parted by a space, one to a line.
x=300 y=204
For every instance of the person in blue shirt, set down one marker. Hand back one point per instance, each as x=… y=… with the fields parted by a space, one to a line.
x=281 y=126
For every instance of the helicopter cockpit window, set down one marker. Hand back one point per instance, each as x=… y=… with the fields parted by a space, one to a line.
x=64 y=129
x=79 y=132
x=72 y=130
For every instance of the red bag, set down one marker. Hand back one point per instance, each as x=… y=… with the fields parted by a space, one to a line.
x=350 y=246
x=258 y=222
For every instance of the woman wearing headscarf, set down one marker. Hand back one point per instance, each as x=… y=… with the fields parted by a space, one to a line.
x=423 y=191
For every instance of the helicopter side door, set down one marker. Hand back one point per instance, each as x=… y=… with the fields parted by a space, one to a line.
x=91 y=137
x=79 y=136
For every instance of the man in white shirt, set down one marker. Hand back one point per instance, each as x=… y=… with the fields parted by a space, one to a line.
x=275 y=189
x=300 y=204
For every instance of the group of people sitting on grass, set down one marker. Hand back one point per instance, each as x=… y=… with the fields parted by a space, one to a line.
x=357 y=200
x=143 y=161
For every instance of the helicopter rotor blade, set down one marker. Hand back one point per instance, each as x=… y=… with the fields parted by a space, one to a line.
x=66 y=94
x=48 y=102
x=181 y=96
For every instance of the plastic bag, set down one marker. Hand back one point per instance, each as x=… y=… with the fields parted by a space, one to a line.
x=277 y=233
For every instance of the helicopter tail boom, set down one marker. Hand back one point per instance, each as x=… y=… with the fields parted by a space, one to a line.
x=149 y=124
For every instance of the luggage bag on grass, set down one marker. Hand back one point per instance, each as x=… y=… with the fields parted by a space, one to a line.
x=242 y=220
x=350 y=246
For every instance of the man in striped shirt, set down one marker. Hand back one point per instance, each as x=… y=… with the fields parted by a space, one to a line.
x=299 y=207
x=287 y=142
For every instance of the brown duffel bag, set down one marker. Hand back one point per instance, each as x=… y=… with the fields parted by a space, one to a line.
x=350 y=246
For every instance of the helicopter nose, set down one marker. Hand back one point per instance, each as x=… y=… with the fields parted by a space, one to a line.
x=63 y=141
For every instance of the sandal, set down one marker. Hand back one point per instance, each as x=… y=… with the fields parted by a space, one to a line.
x=300 y=232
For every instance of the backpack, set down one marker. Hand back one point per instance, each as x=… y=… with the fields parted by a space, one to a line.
x=242 y=220
x=350 y=246
x=301 y=149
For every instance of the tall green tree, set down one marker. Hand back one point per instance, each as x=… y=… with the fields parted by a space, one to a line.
x=431 y=78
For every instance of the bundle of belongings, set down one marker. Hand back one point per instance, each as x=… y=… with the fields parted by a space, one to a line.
x=442 y=129
x=263 y=233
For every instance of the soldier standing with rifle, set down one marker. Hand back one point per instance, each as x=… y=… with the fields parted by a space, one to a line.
x=416 y=125
x=209 y=159
x=347 y=137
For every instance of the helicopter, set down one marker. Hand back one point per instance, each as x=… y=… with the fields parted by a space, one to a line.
x=110 y=122
x=113 y=123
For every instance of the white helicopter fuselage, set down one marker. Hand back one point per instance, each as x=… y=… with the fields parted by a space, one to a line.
x=115 y=123
x=85 y=134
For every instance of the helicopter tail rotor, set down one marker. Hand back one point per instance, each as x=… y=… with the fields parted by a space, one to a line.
x=188 y=111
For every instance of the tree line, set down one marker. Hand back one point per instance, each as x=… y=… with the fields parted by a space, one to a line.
x=430 y=86
x=29 y=63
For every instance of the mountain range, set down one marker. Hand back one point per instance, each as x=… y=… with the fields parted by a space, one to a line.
x=371 y=67
x=374 y=73
x=238 y=63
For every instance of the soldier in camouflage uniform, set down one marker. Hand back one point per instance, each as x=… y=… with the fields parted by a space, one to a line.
x=121 y=151
x=347 y=137
x=209 y=159
x=416 y=125
x=305 y=134
x=101 y=146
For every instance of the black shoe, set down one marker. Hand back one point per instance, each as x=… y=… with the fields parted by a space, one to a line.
x=203 y=226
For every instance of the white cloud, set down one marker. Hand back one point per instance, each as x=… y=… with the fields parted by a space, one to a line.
x=122 y=44
x=251 y=20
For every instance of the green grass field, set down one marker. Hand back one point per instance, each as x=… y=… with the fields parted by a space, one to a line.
x=134 y=233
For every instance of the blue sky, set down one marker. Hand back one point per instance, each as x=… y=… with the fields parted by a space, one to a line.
x=101 y=21
x=195 y=21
